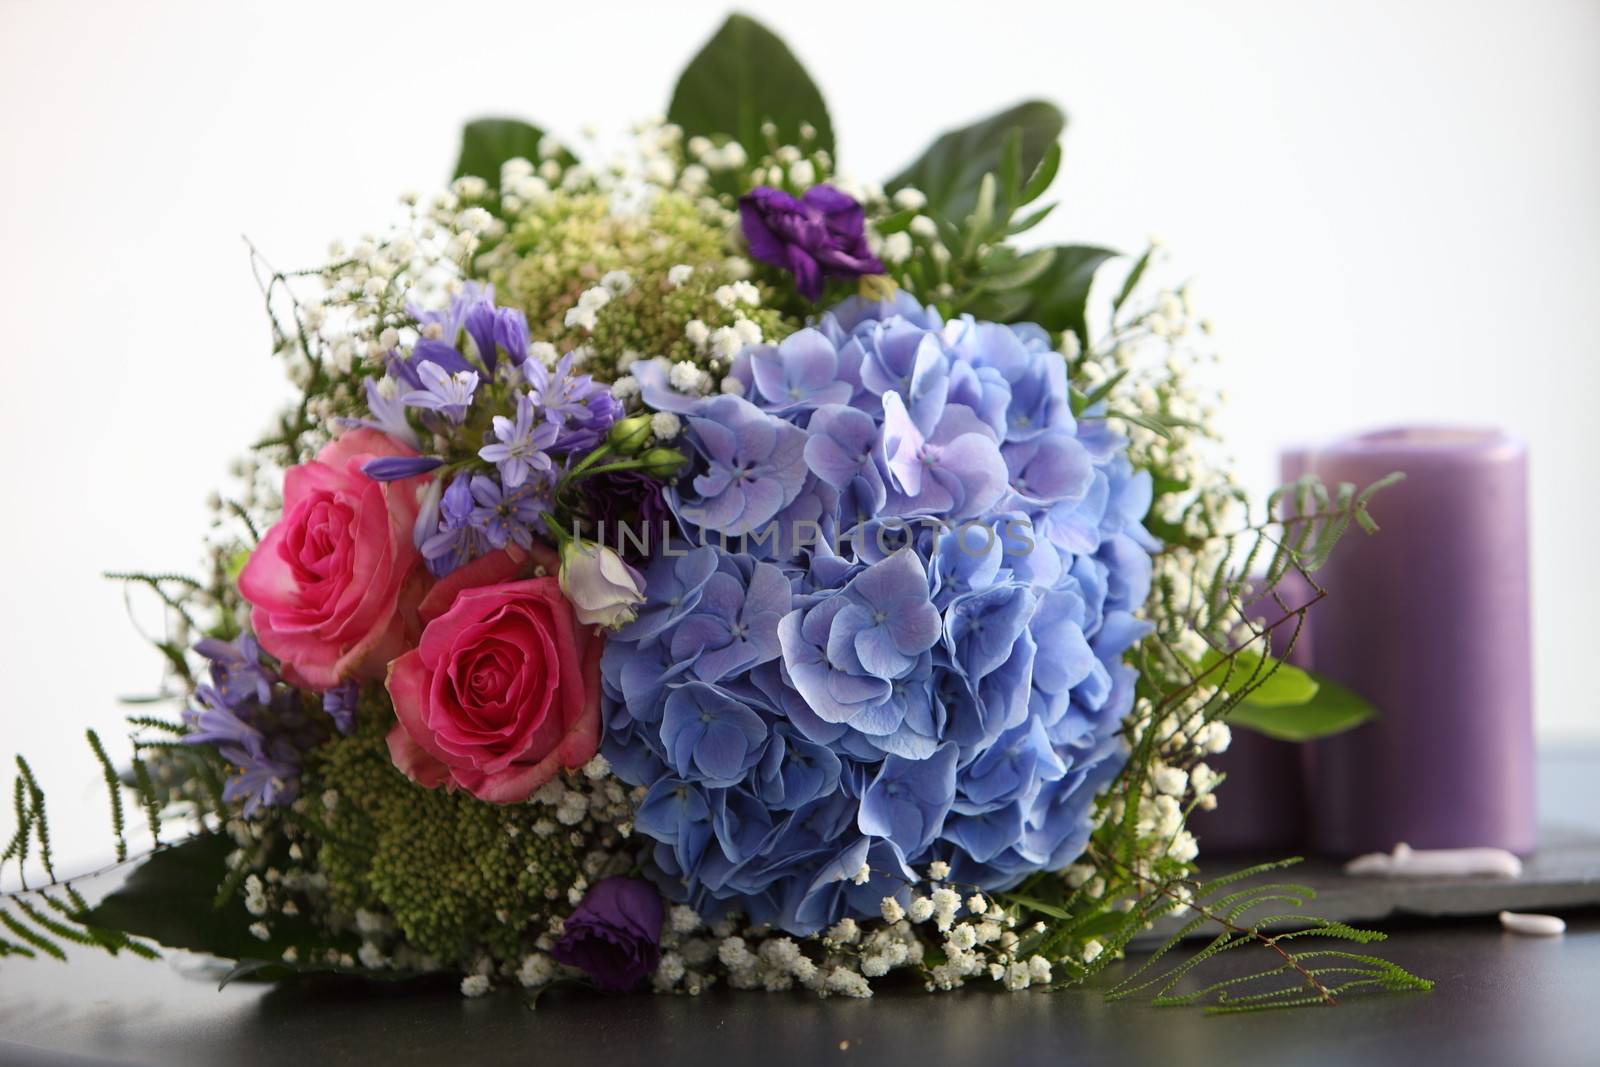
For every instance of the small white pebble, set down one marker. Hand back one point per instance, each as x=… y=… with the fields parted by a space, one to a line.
x=1533 y=925
x=1407 y=862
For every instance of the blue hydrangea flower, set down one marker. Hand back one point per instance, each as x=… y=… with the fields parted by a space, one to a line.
x=754 y=465
x=805 y=371
x=932 y=670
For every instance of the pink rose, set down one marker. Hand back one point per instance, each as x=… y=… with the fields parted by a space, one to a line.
x=504 y=689
x=326 y=584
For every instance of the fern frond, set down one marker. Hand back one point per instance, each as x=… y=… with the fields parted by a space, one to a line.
x=75 y=934
x=114 y=788
x=148 y=797
x=155 y=578
x=17 y=847
x=11 y=948
x=1206 y=889
x=41 y=823
x=239 y=512
x=152 y=722
x=38 y=941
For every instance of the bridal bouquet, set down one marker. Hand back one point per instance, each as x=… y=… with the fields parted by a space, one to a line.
x=708 y=566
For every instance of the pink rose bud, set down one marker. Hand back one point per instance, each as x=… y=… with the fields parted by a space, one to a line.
x=602 y=588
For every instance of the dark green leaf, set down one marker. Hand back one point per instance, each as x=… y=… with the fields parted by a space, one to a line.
x=169 y=899
x=256 y=970
x=745 y=76
x=1060 y=294
x=1334 y=709
x=486 y=144
x=950 y=170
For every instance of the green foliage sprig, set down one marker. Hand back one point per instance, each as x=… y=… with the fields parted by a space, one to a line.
x=1298 y=977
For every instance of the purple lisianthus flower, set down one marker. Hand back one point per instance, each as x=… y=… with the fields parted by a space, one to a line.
x=630 y=512
x=821 y=235
x=615 y=935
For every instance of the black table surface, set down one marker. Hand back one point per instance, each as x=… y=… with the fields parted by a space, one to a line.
x=1500 y=998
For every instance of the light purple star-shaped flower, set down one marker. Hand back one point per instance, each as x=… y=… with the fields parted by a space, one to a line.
x=507 y=515
x=448 y=394
x=521 y=448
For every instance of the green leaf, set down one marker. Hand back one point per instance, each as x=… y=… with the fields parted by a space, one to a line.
x=1149 y=422
x=1040 y=906
x=487 y=143
x=1333 y=710
x=1131 y=282
x=258 y=970
x=1082 y=402
x=1042 y=175
x=1263 y=680
x=1016 y=272
x=744 y=76
x=1061 y=293
x=169 y=899
x=951 y=169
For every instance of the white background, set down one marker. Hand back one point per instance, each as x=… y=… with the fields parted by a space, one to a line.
x=1393 y=210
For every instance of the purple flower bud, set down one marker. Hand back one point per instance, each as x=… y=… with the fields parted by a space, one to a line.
x=821 y=235
x=396 y=468
x=615 y=935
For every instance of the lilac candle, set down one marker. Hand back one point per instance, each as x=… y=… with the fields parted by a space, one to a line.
x=1429 y=620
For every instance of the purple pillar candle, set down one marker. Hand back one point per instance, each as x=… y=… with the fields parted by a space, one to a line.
x=1428 y=620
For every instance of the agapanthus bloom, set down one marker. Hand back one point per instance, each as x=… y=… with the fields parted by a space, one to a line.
x=520 y=448
x=930 y=671
x=259 y=725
